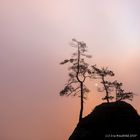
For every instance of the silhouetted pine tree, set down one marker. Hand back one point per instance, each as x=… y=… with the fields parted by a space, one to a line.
x=107 y=86
x=78 y=72
x=120 y=93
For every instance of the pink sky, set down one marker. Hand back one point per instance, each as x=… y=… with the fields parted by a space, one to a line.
x=35 y=37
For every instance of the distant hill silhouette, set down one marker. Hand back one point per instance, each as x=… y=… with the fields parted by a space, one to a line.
x=110 y=121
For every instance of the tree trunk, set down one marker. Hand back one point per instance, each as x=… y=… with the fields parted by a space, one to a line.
x=106 y=90
x=82 y=102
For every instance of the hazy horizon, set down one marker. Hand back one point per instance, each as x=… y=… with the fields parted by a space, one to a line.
x=34 y=39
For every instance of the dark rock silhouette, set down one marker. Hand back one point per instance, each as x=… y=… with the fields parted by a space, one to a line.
x=116 y=120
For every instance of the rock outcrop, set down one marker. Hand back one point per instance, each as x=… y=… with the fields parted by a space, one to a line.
x=109 y=121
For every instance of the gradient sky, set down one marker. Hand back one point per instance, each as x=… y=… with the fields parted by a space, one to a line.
x=35 y=37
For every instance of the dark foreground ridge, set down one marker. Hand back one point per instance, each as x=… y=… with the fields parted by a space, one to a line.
x=110 y=121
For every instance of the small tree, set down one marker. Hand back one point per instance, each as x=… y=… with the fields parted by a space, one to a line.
x=107 y=86
x=120 y=93
x=79 y=71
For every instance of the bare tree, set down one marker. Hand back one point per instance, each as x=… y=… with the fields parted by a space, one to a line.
x=120 y=93
x=107 y=86
x=78 y=72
